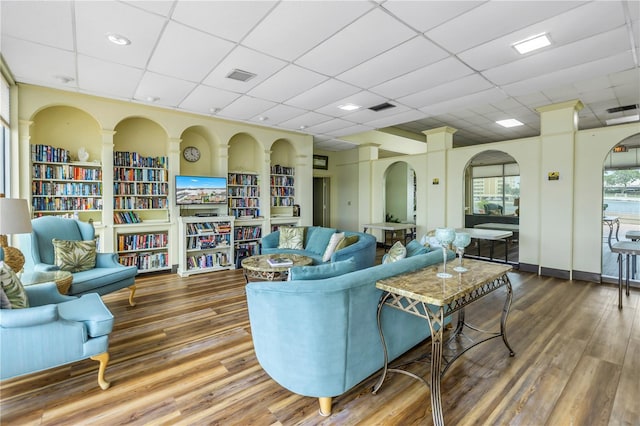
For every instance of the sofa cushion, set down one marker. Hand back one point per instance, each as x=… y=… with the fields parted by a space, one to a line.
x=12 y=287
x=414 y=248
x=347 y=241
x=291 y=237
x=94 y=279
x=325 y=270
x=331 y=247
x=75 y=256
x=318 y=239
x=396 y=252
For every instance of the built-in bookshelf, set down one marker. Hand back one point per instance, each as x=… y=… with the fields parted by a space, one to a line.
x=60 y=186
x=247 y=239
x=144 y=249
x=141 y=187
x=244 y=195
x=282 y=186
x=206 y=244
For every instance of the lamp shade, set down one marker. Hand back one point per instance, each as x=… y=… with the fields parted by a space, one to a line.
x=14 y=216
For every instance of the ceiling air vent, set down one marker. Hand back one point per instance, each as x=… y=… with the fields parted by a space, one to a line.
x=382 y=106
x=240 y=75
x=622 y=108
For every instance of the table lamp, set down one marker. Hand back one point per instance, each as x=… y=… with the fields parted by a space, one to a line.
x=14 y=219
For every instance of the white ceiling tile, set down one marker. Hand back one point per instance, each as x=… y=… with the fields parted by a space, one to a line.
x=366 y=115
x=598 y=95
x=205 y=100
x=94 y=20
x=409 y=115
x=327 y=92
x=281 y=113
x=533 y=100
x=294 y=27
x=424 y=15
x=243 y=59
x=48 y=23
x=631 y=76
x=413 y=54
x=469 y=101
x=357 y=43
x=458 y=88
x=101 y=77
x=352 y=130
x=35 y=63
x=307 y=120
x=287 y=83
x=169 y=91
x=598 y=83
x=328 y=127
x=187 y=53
x=492 y=20
x=364 y=99
x=159 y=7
x=430 y=76
x=230 y=20
x=245 y=107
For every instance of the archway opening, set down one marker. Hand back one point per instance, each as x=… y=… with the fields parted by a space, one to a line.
x=400 y=193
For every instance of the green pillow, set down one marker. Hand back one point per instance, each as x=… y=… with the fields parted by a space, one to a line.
x=324 y=270
x=396 y=252
x=74 y=256
x=347 y=241
x=291 y=237
x=12 y=287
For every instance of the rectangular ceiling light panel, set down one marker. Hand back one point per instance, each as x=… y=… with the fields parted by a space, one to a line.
x=532 y=43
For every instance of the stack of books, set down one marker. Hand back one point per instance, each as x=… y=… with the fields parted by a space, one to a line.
x=280 y=261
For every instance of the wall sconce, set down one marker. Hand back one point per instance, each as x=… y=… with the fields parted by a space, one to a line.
x=554 y=175
x=436 y=181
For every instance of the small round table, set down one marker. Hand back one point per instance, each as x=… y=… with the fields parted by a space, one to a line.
x=258 y=267
x=63 y=279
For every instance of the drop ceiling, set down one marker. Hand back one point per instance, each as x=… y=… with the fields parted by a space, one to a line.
x=440 y=63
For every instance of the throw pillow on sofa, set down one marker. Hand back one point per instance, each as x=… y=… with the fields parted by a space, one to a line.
x=74 y=256
x=325 y=270
x=291 y=237
x=318 y=239
x=347 y=241
x=414 y=248
x=396 y=252
x=331 y=247
x=12 y=287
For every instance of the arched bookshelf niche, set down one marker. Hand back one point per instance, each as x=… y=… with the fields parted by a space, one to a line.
x=282 y=184
x=198 y=137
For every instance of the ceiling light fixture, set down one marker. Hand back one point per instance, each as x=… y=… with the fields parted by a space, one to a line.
x=152 y=99
x=214 y=110
x=63 y=79
x=263 y=118
x=118 y=39
x=349 y=107
x=510 y=122
x=620 y=120
x=532 y=43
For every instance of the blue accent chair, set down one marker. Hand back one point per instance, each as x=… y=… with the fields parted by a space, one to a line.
x=108 y=275
x=55 y=330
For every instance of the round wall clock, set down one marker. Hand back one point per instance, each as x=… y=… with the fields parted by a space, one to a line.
x=191 y=153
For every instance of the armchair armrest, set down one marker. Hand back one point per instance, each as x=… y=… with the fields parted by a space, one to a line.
x=28 y=317
x=44 y=294
x=107 y=260
x=271 y=240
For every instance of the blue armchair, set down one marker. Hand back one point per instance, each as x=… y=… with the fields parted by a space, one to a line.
x=55 y=330
x=107 y=276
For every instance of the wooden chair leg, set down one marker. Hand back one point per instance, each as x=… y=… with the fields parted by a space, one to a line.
x=103 y=359
x=325 y=406
x=132 y=292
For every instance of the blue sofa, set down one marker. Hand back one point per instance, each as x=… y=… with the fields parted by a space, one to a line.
x=320 y=338
x=363 y=251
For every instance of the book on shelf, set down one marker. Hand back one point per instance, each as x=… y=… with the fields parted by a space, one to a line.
x=280 y=261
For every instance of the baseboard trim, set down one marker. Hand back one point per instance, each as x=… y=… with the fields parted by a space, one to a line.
x=528 y=267
x=587 y=276
x=556 y=273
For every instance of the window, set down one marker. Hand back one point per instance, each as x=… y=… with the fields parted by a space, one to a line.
x=496 y=189
x=5 y=108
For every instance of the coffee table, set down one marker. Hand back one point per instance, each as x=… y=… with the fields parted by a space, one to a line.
x=63 y=279
x=257 y=268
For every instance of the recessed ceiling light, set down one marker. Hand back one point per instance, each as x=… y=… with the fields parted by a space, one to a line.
x=302 y=127
x=510 y=122
x=214 y=110
x=152 y=99
x=532 y=43
x=118 y=39
x=263 y=118
x=63 y=79
x=620 y=120
x=349 y=107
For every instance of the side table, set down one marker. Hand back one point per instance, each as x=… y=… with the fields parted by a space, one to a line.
x=63 y=279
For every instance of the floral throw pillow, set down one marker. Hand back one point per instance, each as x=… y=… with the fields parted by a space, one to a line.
x=291 y=237
x=75 y=256
x=396 y=252
x=12 y=288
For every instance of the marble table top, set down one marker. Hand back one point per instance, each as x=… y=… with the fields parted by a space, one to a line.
x=423 y=285
x=626 y=247
x=259 y=262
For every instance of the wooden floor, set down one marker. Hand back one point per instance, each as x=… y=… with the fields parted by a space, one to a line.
x=184 y=356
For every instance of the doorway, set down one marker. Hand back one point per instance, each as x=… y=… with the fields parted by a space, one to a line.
x=321 y=197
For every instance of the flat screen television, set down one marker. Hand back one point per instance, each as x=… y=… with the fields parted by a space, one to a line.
x=200 y=190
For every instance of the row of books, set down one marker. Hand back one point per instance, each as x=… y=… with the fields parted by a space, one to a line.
x=128 y=242
x=144 y=175
x=244 y=191
x=126 y=217
x=40 y=152
x=282 y=191
x=242 y=179
x=208 y=228
x=140 y=202
x=248 y=232
x=252 y=248
x=142 y=188
x=281 y=181
x=282 y=170
x=49 y=203
x=207 y=260
x=244 y=202
x=71 y=188
x=133 y=159
x=245 y=212
x=66 y=171
x=204 y=242
x=145 y=261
